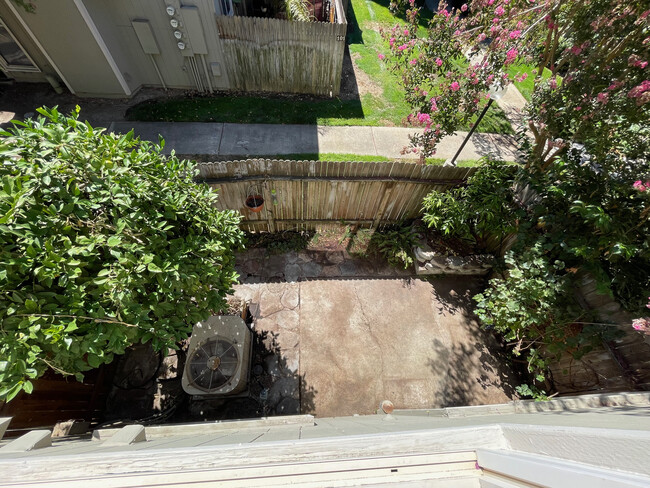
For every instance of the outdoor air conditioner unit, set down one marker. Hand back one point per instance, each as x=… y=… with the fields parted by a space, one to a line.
x=218 y=357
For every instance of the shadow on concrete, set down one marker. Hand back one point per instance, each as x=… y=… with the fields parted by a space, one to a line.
x=470 y=371
x=480 y=360
x=496 y=146
x=147 y=389
x=449 y=299
x=19 y=100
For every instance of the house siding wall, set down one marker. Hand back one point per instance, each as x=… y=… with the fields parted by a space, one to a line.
x=113 y=20
x=28 y=45
x=61 y=30
x=95 y=48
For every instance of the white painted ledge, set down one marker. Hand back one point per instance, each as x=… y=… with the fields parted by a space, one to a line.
x=99 y=463
x=556 y=473
x=160 y=431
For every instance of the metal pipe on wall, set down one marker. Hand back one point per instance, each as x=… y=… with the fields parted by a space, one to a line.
x=195 y=75
x=160 y=77
x=192 y=75
x=198 y=74
x=189 y=64
x=207 y=73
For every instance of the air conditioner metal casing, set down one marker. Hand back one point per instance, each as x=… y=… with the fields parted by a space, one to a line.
x=212 y=344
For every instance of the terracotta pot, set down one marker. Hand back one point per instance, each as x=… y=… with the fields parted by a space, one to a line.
x=254 y=203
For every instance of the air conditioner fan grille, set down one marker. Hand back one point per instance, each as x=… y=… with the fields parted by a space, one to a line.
x=212 y=364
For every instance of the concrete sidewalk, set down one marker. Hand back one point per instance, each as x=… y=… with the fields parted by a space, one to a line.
x=243 y=140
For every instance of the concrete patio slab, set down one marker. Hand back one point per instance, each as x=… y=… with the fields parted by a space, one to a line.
x=344 y=344
x=412 y=342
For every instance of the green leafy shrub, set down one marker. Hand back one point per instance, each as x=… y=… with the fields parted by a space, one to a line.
x=534 y=309
x=482 y=211
x=104 y=242
x=395 y=245
x=595 y=218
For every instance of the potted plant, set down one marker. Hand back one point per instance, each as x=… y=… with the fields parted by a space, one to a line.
x=254 y=203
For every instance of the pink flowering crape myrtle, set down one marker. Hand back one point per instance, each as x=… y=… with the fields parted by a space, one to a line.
x=594 y=56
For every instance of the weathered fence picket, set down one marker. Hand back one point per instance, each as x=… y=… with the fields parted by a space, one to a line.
x=303 y=195
x=275 y=55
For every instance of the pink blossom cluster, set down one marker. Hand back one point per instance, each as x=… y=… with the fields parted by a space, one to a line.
x=504 y=22
x=641 y=92
x=636 y=62
x=424 y=118
x=642 y=187
x=615 y=85
x=511 y=55
x=642 y=325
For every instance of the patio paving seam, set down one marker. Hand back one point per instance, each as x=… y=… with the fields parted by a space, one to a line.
x=368 y=325
x=374 y=142
x=301 y=378
x=220 y=140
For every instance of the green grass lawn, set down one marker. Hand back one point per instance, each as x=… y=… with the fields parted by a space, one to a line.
x=362 y=158
x=382 y=105
x=526 y=87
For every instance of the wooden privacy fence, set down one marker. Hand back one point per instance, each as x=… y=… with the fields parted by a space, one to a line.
x=275 y=55
x=306 y=195
x=57 y=399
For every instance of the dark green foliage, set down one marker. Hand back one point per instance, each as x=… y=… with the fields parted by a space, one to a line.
x=395 y=244
x=533 y=307
x=581 y=214
x=26 y=5
x=104 y=242
x=279 y=242
x=591 y=216
x=481 y=212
